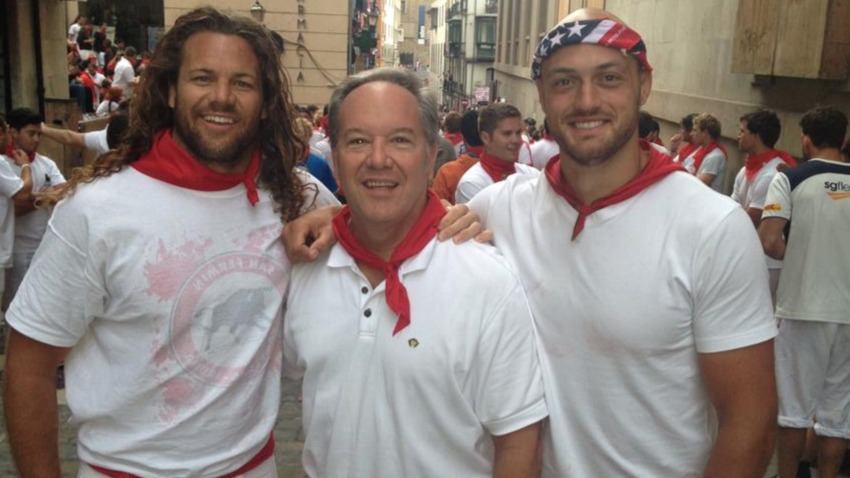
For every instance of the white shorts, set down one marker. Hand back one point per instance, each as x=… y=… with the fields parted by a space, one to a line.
x=266 y=469
x=813 y=376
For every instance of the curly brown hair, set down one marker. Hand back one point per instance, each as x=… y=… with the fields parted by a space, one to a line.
x=149 y=111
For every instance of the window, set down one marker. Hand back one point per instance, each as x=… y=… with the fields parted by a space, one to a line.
x=485 y=38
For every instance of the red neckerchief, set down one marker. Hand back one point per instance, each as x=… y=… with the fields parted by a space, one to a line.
x=475 y=151
x=10 y=152
x=496 y=168
x=754 y=162
x=658 y=167
x=658 y=141
x=417 y=238
x=686 y=151
x=169 y=162
x=454 y=138
x=703 y=151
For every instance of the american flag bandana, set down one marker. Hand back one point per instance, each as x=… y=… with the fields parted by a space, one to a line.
x=595 y=32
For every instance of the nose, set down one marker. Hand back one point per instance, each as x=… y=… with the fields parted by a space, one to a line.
x=588 y=99
x=223 y=92
x=378 y=154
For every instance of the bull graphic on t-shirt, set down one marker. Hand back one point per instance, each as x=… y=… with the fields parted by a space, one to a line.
x=241 y=311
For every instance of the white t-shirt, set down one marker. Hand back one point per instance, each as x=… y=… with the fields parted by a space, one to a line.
x=96 y=140
x=524 y=156
x=421 y=403
x=105 y=107
x=475 y=179
x=542 y=151
x=74 y=32
x=10 y=184
x=323 y=149
x=713 y=163
x=123 y=76
x=171 y=299
x=622 y=313
x=752 y=193
x=30 y=227
x=815 y=198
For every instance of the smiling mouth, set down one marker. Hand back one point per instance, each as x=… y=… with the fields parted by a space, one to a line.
x=218 y=119
x=587 y=124
x=380 y=184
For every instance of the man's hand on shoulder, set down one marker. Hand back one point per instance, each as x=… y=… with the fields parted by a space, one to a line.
x=460 y=225
x=309 y=235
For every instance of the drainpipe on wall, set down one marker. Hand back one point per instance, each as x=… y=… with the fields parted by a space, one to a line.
x=39 y=69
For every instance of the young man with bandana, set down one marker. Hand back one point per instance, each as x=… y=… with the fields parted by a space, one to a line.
x=405 y=374
x=708 y=163
x=757 y=133
x=500 y=127
x=653 y=316
x=161 y=279
x=30 y=221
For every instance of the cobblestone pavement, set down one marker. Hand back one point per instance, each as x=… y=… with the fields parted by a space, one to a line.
x=287 y=437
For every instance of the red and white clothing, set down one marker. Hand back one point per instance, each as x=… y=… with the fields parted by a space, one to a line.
x=423 y=402
x=713 y=162
x=524 y=156
x=751 y=192
x=171 y=299
x=622 y=312
x=475 y=179
x=124 y=76
x=542 y=151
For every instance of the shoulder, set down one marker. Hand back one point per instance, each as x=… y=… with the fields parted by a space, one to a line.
x=472 y=263
x=814 y=167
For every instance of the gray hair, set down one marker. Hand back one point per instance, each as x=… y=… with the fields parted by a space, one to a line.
x=403 y=78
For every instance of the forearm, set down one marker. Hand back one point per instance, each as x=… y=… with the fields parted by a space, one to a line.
x=743 y=449
x=64 y=136
x=518 y=454
x=29 y=399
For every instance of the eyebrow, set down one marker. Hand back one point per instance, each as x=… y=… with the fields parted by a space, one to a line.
x=240 y=74
x=611 y=65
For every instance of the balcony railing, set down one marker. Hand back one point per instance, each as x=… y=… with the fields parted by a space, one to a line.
x=455 y=49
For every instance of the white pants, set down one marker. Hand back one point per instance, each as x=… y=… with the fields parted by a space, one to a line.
x=813 y=376
x=267 y=469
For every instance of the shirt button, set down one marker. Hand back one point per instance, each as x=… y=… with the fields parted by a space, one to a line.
x=368 y=313
x=364 y=290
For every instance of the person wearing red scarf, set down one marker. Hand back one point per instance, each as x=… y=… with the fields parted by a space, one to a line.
x=708 y=163
x=500 y=127
x=161 y=280
x=398 y=341
x=449 y=174
x=758 y=132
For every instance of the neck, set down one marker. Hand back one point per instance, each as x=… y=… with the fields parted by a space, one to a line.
x=759 y=149
x=497 y=157
x=830 y=154
x=594 y=181
x=382 y=239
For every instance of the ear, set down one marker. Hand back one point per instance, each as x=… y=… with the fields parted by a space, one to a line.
x=645 y=85
x=433 y=150
x=485 y=137
x=172 y=96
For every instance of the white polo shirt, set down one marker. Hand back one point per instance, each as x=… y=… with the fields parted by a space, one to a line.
x=422 y=403
x=623 y=312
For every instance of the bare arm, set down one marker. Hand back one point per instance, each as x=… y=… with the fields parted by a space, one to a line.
x=23 y=200
x=771 y=231
x=706 y=178
x=755 y=215
x=518 y=454
x=64 y=136
x=29 y=400
x=742 y=388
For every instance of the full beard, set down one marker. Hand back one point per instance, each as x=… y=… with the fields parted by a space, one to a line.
x=231 y=153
